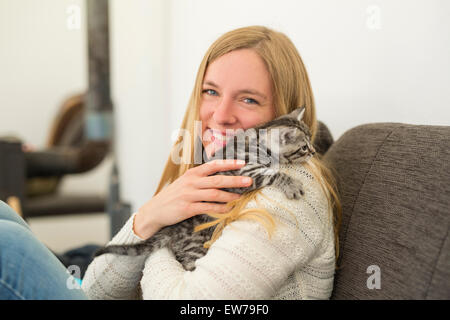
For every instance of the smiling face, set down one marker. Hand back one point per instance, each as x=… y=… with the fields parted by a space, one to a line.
x=236 y=94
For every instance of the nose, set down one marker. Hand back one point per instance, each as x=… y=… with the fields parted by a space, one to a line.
x=224 y=113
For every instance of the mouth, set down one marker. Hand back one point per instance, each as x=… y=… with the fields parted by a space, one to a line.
x=218 y=137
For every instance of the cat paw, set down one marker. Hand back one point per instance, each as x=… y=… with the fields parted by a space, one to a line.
x=190 y=266
x=294 y=191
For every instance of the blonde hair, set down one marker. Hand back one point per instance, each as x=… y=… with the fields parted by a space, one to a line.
x=291 y=88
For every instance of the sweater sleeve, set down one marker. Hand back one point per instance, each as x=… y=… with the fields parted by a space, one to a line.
x=115 y=277
x=243 y=263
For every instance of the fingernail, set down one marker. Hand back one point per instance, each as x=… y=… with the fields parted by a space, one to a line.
x=240 y=161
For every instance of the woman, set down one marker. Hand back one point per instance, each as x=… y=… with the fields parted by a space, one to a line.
x=247 y=77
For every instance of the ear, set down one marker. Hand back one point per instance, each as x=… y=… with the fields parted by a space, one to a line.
x=298 y=113
x=287 y=135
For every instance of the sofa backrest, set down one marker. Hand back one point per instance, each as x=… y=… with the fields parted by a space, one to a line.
x=394 y=182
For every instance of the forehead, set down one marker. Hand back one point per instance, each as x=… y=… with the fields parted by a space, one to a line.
x=240 y=69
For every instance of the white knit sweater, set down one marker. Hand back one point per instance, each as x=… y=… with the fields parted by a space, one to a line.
x=243 y=263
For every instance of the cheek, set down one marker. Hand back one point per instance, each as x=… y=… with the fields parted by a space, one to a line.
x=253 y=118
x=206 y=113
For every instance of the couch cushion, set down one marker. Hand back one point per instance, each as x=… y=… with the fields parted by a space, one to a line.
x=323 y=139
x=394 y=184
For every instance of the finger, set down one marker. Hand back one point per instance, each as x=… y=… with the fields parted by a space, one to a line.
x=215 y=195
x=207 y=207
x=221 y=181
x=219 y=165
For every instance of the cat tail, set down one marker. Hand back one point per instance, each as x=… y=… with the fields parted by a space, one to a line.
x=138 y=249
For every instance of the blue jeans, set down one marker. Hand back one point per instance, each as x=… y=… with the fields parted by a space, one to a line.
x=28 y=269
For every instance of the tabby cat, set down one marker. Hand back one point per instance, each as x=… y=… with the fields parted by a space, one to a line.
x=294 y=146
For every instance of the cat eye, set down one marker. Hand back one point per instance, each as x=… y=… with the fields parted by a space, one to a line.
x=304 y=148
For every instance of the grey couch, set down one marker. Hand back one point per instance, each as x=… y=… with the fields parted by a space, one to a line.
x=394 y=181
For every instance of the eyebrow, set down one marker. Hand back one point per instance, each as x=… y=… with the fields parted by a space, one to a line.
x=250 y=91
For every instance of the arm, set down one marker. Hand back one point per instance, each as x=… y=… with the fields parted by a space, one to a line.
x=115 y=277
x=243 y=263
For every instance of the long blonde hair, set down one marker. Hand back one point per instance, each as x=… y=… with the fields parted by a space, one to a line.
x=291 y=88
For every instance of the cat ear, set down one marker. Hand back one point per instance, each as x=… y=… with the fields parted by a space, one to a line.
x=287 y=135
x=298 y=113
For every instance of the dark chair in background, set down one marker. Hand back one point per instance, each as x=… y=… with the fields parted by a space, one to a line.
x=33 y=177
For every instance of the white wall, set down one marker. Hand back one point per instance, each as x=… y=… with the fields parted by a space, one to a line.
x=399 y=72
x=139 y=80
x=42 y=62
x=359 y=74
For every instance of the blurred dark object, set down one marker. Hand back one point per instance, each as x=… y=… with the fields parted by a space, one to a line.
x=118 y=211
x=99 y=112
x=323 y=139
x=34 y=177
x=67 y=150
x=80 y=257
x=81 y=137
x=79 y=140
x=12 y=170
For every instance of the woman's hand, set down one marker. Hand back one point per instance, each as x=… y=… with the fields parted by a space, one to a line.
x=184 y=197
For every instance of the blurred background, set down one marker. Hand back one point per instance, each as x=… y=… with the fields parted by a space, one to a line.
x=368 y=61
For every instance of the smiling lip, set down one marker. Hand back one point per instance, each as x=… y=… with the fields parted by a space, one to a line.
x=219 y=137
x=221 y=134
x=228 y=133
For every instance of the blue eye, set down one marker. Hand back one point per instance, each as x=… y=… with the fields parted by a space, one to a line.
x=210 y=92
x=250 y=101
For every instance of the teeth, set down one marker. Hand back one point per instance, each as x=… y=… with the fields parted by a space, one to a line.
x=220 y=136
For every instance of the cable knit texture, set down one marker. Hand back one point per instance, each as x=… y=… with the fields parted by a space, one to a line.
x=297 y=262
